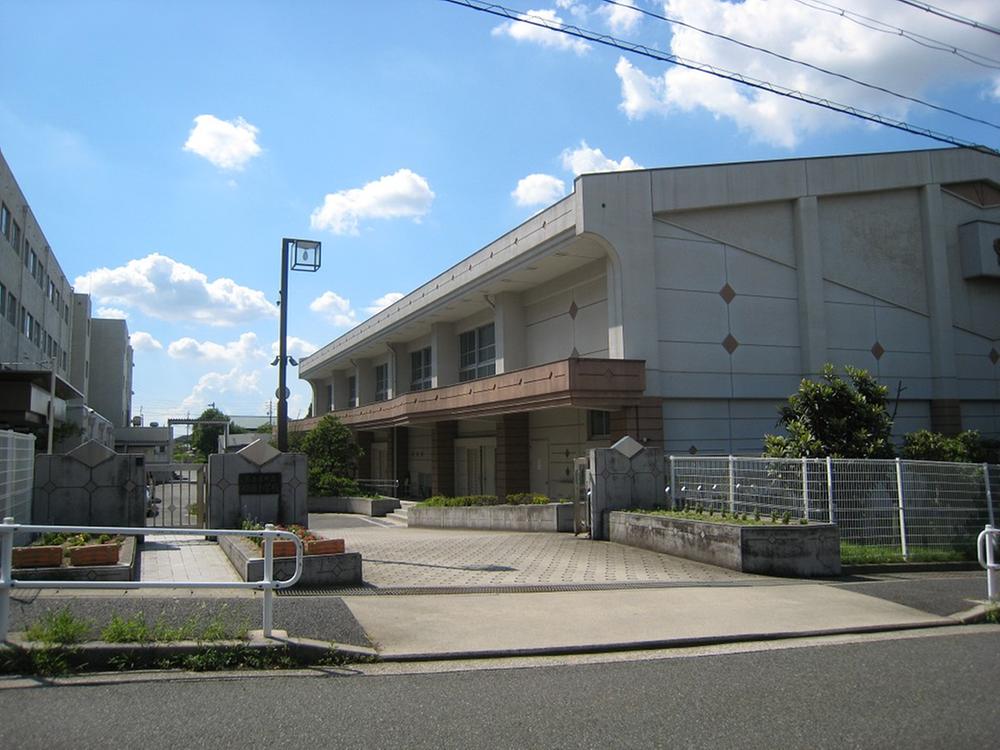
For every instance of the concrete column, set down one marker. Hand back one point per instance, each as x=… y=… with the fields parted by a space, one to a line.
x=443 y=457
x=365 y=374
x=444 y=354
x=644 y=422
x=512 y=455
x=404 y=375
x=509 y=326
x=365 y=438
x=946 y=412
x=340 y=390
x=809 y=269
x=400 y=446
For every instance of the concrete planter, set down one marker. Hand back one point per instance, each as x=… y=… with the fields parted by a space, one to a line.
x=285 y=548
x=49 y=556
x=794 y=550
x=549 y=517
x=342 y=569
x=365 y=506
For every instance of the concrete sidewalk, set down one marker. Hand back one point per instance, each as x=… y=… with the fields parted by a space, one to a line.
x=478 y=625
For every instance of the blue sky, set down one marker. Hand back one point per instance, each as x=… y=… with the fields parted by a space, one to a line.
x=166 y=148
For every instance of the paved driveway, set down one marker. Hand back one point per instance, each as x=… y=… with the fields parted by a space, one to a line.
x=408 y=558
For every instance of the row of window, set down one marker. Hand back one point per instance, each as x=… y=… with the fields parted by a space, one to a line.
x=28 y=325
x=11 y=231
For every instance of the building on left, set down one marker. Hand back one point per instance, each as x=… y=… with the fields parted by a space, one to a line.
x=48 y=341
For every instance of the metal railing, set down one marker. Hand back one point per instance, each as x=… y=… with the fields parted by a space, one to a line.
x=385 y=487
x=17 y=472
x=267 y=584
x=986 y=544
x=176 y=495
x=889 y=503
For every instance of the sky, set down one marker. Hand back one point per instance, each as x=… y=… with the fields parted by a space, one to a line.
x=166 y=148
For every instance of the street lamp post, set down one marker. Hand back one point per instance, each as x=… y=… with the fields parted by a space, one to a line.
x=300 y=255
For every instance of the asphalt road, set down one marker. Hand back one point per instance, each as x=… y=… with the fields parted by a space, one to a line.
x=918 y=692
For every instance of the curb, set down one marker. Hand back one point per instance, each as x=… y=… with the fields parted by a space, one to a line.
x=917 y=567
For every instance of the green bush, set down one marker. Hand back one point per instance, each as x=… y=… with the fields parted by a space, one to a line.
x=519 y=498
x=62 y=627
x=528 y=498
x=966 y=447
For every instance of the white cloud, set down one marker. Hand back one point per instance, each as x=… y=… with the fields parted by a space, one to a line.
x=212 y=386
x=110 y=312
x=890 y=61
x=336 y=309
x=383 y=302
x=228 y=144
x=621 y=19
x=163 y=288
x=243 y=349
x=403 y=194
x=538 y=189
x=526 y=32
x=142 y=341
x=585 y=159
x=295 y=346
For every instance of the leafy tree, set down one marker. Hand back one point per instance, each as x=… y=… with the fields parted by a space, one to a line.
x=205 y=438
x=966 y=447
x=332 y=455
x=834 y=417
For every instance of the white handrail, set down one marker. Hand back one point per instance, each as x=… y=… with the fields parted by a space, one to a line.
x=984 y=550
x=267 y=584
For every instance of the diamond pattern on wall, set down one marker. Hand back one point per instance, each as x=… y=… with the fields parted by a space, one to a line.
x=692 y=450
x=730 y=343
x=878 y=350
x=727 y=293
x=573 y=310
x=994 y=355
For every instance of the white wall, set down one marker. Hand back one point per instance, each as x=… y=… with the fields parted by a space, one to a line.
x=567 y=314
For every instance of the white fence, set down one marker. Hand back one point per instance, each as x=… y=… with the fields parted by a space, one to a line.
x=884 y=503
x=17 y=475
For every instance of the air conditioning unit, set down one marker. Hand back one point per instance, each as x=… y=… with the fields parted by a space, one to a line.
x=979 y=244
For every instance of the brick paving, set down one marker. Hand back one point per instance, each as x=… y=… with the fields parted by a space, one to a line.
x=411 y=557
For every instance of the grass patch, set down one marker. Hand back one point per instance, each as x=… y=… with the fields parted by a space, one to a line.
x=59 y=628
x=711 y=515
x=869 y=554
x=135 y=629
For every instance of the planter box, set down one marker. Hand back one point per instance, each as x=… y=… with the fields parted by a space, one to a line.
x=325 y=547
x=282 y=548
x=795 y=550
x=49 y=556
x=548 y=517
x=317 y=570
x=124 y=568
x=94 y=554
x=365 y=506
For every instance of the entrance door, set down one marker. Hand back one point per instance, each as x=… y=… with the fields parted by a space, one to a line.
x=380 y=461
x=475 y=466
x=538 y=474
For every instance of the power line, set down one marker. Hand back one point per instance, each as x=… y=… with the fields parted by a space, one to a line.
x=817 y=68
x=940 y=12
x=640 y=49
x=924 y=41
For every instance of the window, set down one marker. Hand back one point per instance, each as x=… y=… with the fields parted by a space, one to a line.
x=15 y=236
x=5 y=221
x=381 y=382
x=26 y=323
x=476 y=353
x=66 y=315
x=598 y=424
x=40 y=276
x=352 y=391
x=12 y=309
x=3 y=302
x=420 y=370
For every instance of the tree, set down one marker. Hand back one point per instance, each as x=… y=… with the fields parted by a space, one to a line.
x=205 y=438
x=965 y=447
x=332 y=455
x=836 y=418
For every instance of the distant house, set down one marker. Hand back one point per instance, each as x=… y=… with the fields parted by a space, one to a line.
x=681 y=306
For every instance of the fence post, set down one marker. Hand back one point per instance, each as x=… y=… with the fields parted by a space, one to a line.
x=732 y=484
x=805 y=488
x=268 y=619
x=6 y=573
x=989 y=493
x=829 y=489
x=673 y=485
x=902 y=515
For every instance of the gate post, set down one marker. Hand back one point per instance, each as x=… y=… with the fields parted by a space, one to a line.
x=989 y=493
x=902 y=515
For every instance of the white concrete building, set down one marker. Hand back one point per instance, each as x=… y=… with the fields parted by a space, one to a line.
x=681 y=306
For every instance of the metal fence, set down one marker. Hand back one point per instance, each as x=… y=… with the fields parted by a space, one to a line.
x=894 y=504
x=17 y=472
x=176 y=495
x=384 y=487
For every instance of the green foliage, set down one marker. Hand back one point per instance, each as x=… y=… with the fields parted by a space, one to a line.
x=205 y=438
x=521 y=498
x=136 y=630
x=834 y=417
x=966 y=447
x=867 y=554
x=332 y=455
x=62 y=627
